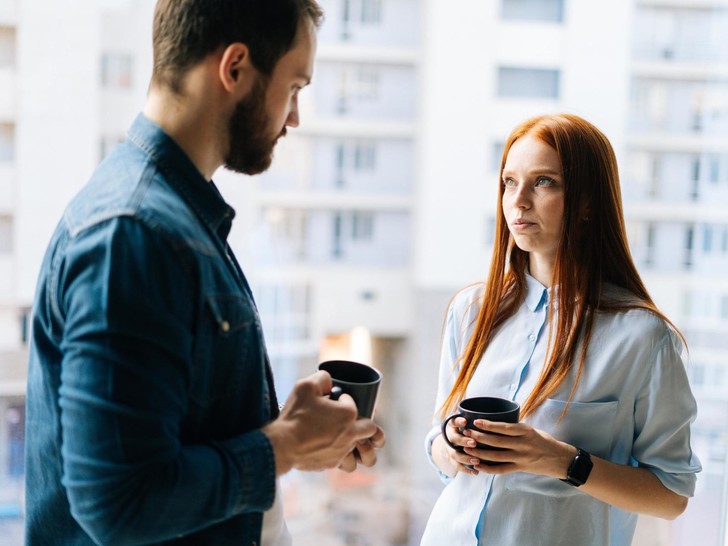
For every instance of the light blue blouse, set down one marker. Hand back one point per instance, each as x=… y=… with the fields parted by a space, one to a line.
x=633 y=406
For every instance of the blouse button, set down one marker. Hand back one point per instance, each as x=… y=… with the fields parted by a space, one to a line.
x=225 y=326
x=532 y=337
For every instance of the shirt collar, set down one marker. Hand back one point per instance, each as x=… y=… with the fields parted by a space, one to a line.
x=202 y=196
x=537 y=293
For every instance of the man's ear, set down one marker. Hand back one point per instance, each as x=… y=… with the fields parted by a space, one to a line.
x=235 y=68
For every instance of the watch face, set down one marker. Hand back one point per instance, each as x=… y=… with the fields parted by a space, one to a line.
x=580 y=468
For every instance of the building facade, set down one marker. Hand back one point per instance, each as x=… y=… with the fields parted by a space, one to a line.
x=381 y=205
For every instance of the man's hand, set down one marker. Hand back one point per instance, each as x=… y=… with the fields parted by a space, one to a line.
x=314 y=432
x=364 y=453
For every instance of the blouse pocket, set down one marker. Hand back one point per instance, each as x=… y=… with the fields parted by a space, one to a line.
x=587 y=425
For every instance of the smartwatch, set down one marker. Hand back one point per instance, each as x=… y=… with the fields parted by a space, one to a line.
x=579 y=469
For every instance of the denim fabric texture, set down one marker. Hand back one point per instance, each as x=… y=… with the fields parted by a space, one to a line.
x=148 y=379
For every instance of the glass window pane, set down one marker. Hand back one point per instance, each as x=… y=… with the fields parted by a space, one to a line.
x=533 y=10
x=528 y=82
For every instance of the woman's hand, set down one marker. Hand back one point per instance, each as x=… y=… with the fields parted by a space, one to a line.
x=452 y=461
x=525 y=449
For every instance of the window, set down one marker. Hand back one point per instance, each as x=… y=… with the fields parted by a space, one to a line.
x=717 y=168
x=371 y=11
x=362 y=226
x=707 y=239
x=24 y=325
x=689 y=240
x=359 y=156
x=336 y=249
x=366 y=86
x=489 y=231
x=116 y=71
x=6 y=234
x=536 y=83
x=497 y=155
x=650 y=255
x=533 y=10
x=365 y=156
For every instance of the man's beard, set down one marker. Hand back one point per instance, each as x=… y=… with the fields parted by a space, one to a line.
x=251 y=150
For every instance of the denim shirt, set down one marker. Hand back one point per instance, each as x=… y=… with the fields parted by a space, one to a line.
x=148 y=380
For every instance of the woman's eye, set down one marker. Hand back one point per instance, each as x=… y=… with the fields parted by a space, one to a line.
x=509 y=182
x=544 y=181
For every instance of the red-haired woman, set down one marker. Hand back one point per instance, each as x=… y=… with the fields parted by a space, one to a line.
x=565 y=327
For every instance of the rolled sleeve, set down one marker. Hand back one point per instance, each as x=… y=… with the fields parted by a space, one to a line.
x=664 y=411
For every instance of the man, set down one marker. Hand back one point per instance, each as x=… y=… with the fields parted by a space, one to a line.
x=152 y=416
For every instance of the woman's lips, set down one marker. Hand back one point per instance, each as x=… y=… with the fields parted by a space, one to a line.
x=520 y=225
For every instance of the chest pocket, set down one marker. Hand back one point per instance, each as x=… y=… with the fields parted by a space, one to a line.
x=228 y=351
x=588 y=425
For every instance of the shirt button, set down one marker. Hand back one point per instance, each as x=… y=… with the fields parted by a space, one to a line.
x=532 y=337
x=225 y=326
x=513 y=387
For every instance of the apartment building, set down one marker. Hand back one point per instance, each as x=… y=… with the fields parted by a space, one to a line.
x=330 y=248
x=71 y=80
x=381 y=205
x=652 y=75
x=676 y=189
x=12 y=316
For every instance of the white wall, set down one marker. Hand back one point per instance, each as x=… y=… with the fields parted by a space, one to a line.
x=56 y=139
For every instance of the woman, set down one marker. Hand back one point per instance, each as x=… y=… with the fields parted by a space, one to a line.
x=565 y=327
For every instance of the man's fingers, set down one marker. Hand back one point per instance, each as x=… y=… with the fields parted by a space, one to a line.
x=348 y=463
x=378 y=440
x=365 y=453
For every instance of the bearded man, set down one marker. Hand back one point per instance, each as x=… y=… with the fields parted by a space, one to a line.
x=152 y=416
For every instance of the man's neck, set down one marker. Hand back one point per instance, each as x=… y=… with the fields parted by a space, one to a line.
x=191 y=122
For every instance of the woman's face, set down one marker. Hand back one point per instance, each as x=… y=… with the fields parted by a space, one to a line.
x=533 y=202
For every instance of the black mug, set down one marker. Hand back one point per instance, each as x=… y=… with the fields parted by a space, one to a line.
x=359 y=381
x=485 y=407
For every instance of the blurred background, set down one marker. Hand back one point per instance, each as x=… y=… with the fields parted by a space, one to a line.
x=382 y=204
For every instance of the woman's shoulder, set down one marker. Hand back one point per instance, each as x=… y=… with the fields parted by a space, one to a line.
x=634 y=318
x=467 y=296
x=466 y=303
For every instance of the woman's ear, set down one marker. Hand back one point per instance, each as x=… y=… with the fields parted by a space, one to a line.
x=235 y=67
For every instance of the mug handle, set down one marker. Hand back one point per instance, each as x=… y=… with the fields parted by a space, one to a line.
x=335 y=393
x=444 y=435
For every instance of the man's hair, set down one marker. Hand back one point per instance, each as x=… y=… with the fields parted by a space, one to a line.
x=187 y=31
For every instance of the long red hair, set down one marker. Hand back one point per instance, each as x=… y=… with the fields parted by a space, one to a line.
x=593 y=250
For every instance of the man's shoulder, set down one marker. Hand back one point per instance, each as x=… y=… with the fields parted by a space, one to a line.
x=127 y=184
